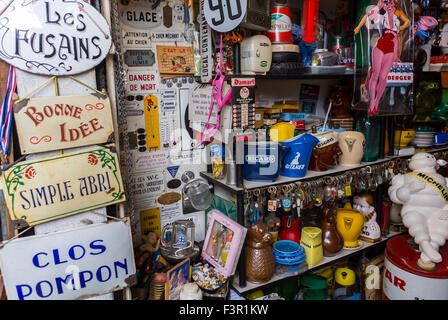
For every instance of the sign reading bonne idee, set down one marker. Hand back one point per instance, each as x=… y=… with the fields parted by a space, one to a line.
x=41 y=190
x=54 y=123
x=53 y=37
x=72 y=264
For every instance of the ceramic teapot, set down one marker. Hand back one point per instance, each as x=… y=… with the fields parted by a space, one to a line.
x=349 y=223
x=332 y=241
x=353 y=145
x=259 y=258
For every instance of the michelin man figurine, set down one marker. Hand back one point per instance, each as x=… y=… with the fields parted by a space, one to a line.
x=424 y=196
x=364 y=203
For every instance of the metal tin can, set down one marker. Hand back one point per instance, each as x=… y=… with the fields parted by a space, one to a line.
x=404 y=280
x=281 y=25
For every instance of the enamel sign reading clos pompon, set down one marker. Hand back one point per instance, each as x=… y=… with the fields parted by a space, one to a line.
x=41 y=190
x=53 y=37
x=79 y=263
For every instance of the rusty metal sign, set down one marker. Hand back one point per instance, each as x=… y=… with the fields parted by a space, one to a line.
x=62 y=122
x=73 y=264
x=42 y=190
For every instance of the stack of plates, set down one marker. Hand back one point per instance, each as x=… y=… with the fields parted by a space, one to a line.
x=423 y=139
x=288 y=253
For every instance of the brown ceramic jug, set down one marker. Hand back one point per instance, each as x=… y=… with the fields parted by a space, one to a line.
x=324 y=158
x=260 y=263
x=332 y=241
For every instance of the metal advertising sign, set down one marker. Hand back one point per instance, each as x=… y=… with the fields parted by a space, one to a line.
x=142 y=82
x=55 y=37
x=139 y=58
x=42 y=190
x=140 y=17
x=73 y=264
x=225 y=15
x=61 y=122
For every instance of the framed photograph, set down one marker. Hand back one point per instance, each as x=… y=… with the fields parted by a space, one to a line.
x=176 y=278
x=223 y=243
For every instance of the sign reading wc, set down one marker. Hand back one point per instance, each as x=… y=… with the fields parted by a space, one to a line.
x=53 y=37
x=72 y=264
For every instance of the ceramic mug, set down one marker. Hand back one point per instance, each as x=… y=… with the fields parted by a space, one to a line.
x=352 y=144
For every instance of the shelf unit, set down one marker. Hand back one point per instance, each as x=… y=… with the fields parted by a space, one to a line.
x=326 y=261
x=239 y=282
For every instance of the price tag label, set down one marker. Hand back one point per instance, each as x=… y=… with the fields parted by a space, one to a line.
x=224 y=15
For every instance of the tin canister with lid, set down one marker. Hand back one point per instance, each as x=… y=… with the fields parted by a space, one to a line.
x=281 y=25
x=404 y=280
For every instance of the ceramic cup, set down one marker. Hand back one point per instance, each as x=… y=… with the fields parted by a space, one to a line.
x=352 y=144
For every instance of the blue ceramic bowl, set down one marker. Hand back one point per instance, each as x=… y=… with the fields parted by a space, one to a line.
x=287 y=248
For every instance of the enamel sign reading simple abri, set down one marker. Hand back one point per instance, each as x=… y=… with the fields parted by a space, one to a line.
x=62 y=122
x=41 y=190
x=73 y=264
x=54 y=37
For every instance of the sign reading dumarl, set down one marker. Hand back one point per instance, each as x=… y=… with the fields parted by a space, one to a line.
x=72 y=264
x=53 y=37
x=53 y=123
x=42 y=190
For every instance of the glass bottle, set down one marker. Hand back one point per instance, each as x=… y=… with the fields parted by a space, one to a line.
x=370 y=127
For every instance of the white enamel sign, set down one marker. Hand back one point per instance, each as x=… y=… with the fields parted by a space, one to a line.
x=54 y=37
x=72 y=264
x=140 y=17
x=206 y=45
x=224 y=15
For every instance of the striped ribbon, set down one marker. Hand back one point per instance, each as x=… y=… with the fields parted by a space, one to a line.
x=6 y=112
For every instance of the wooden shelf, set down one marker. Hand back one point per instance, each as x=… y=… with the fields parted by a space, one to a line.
x=301 y=76
x=326 y=261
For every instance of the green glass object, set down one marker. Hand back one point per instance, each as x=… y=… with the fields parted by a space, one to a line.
x=441 y=112
x=425 y=99
x=371 y=128
x=362 y=45
x=315 y=287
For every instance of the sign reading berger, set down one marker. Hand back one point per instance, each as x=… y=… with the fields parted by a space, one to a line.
x=61 y=122
x=72 y=264
x=42 y=190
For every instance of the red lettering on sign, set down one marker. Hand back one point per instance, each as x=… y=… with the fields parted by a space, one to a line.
x=397 y=282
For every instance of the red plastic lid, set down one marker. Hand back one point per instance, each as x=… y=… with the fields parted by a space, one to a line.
x=404 y=253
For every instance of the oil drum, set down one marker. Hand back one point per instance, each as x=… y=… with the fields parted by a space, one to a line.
x=404 y=280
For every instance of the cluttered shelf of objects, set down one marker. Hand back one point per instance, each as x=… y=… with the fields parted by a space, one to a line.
x=251 y=185
x=313 y=74
x=284 y=274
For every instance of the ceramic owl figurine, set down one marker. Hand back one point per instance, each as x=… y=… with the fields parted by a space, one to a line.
x=424 y=196
x=260 y=263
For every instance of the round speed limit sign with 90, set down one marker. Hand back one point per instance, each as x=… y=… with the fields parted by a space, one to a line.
x=224 y=15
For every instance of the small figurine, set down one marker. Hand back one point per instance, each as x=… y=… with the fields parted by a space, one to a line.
x=191 y=291
x=364 y=203
x=340 y=102
x=387 y=16
x=146 y=256
x=259 y=259
x=424 y=196
x=331 y=239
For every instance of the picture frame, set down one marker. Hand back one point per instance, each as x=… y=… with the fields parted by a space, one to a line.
x=176 y=278
x=223 y=243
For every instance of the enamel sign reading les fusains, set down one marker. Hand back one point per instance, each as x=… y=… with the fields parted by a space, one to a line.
x=37 y=191
x=73 y=264
x=53 y=37
x=61 y=122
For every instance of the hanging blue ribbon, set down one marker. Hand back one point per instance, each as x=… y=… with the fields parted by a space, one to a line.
x=6 y=111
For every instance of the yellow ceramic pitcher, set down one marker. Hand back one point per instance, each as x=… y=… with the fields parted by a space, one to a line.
x=311 y=241
x=349 y=223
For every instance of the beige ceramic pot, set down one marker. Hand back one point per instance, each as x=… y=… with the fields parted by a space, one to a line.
x=352 y=144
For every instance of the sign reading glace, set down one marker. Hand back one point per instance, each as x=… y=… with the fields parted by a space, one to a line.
x=72 y=264
x=41 y=190
x=53 y=37
x=61 y=122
